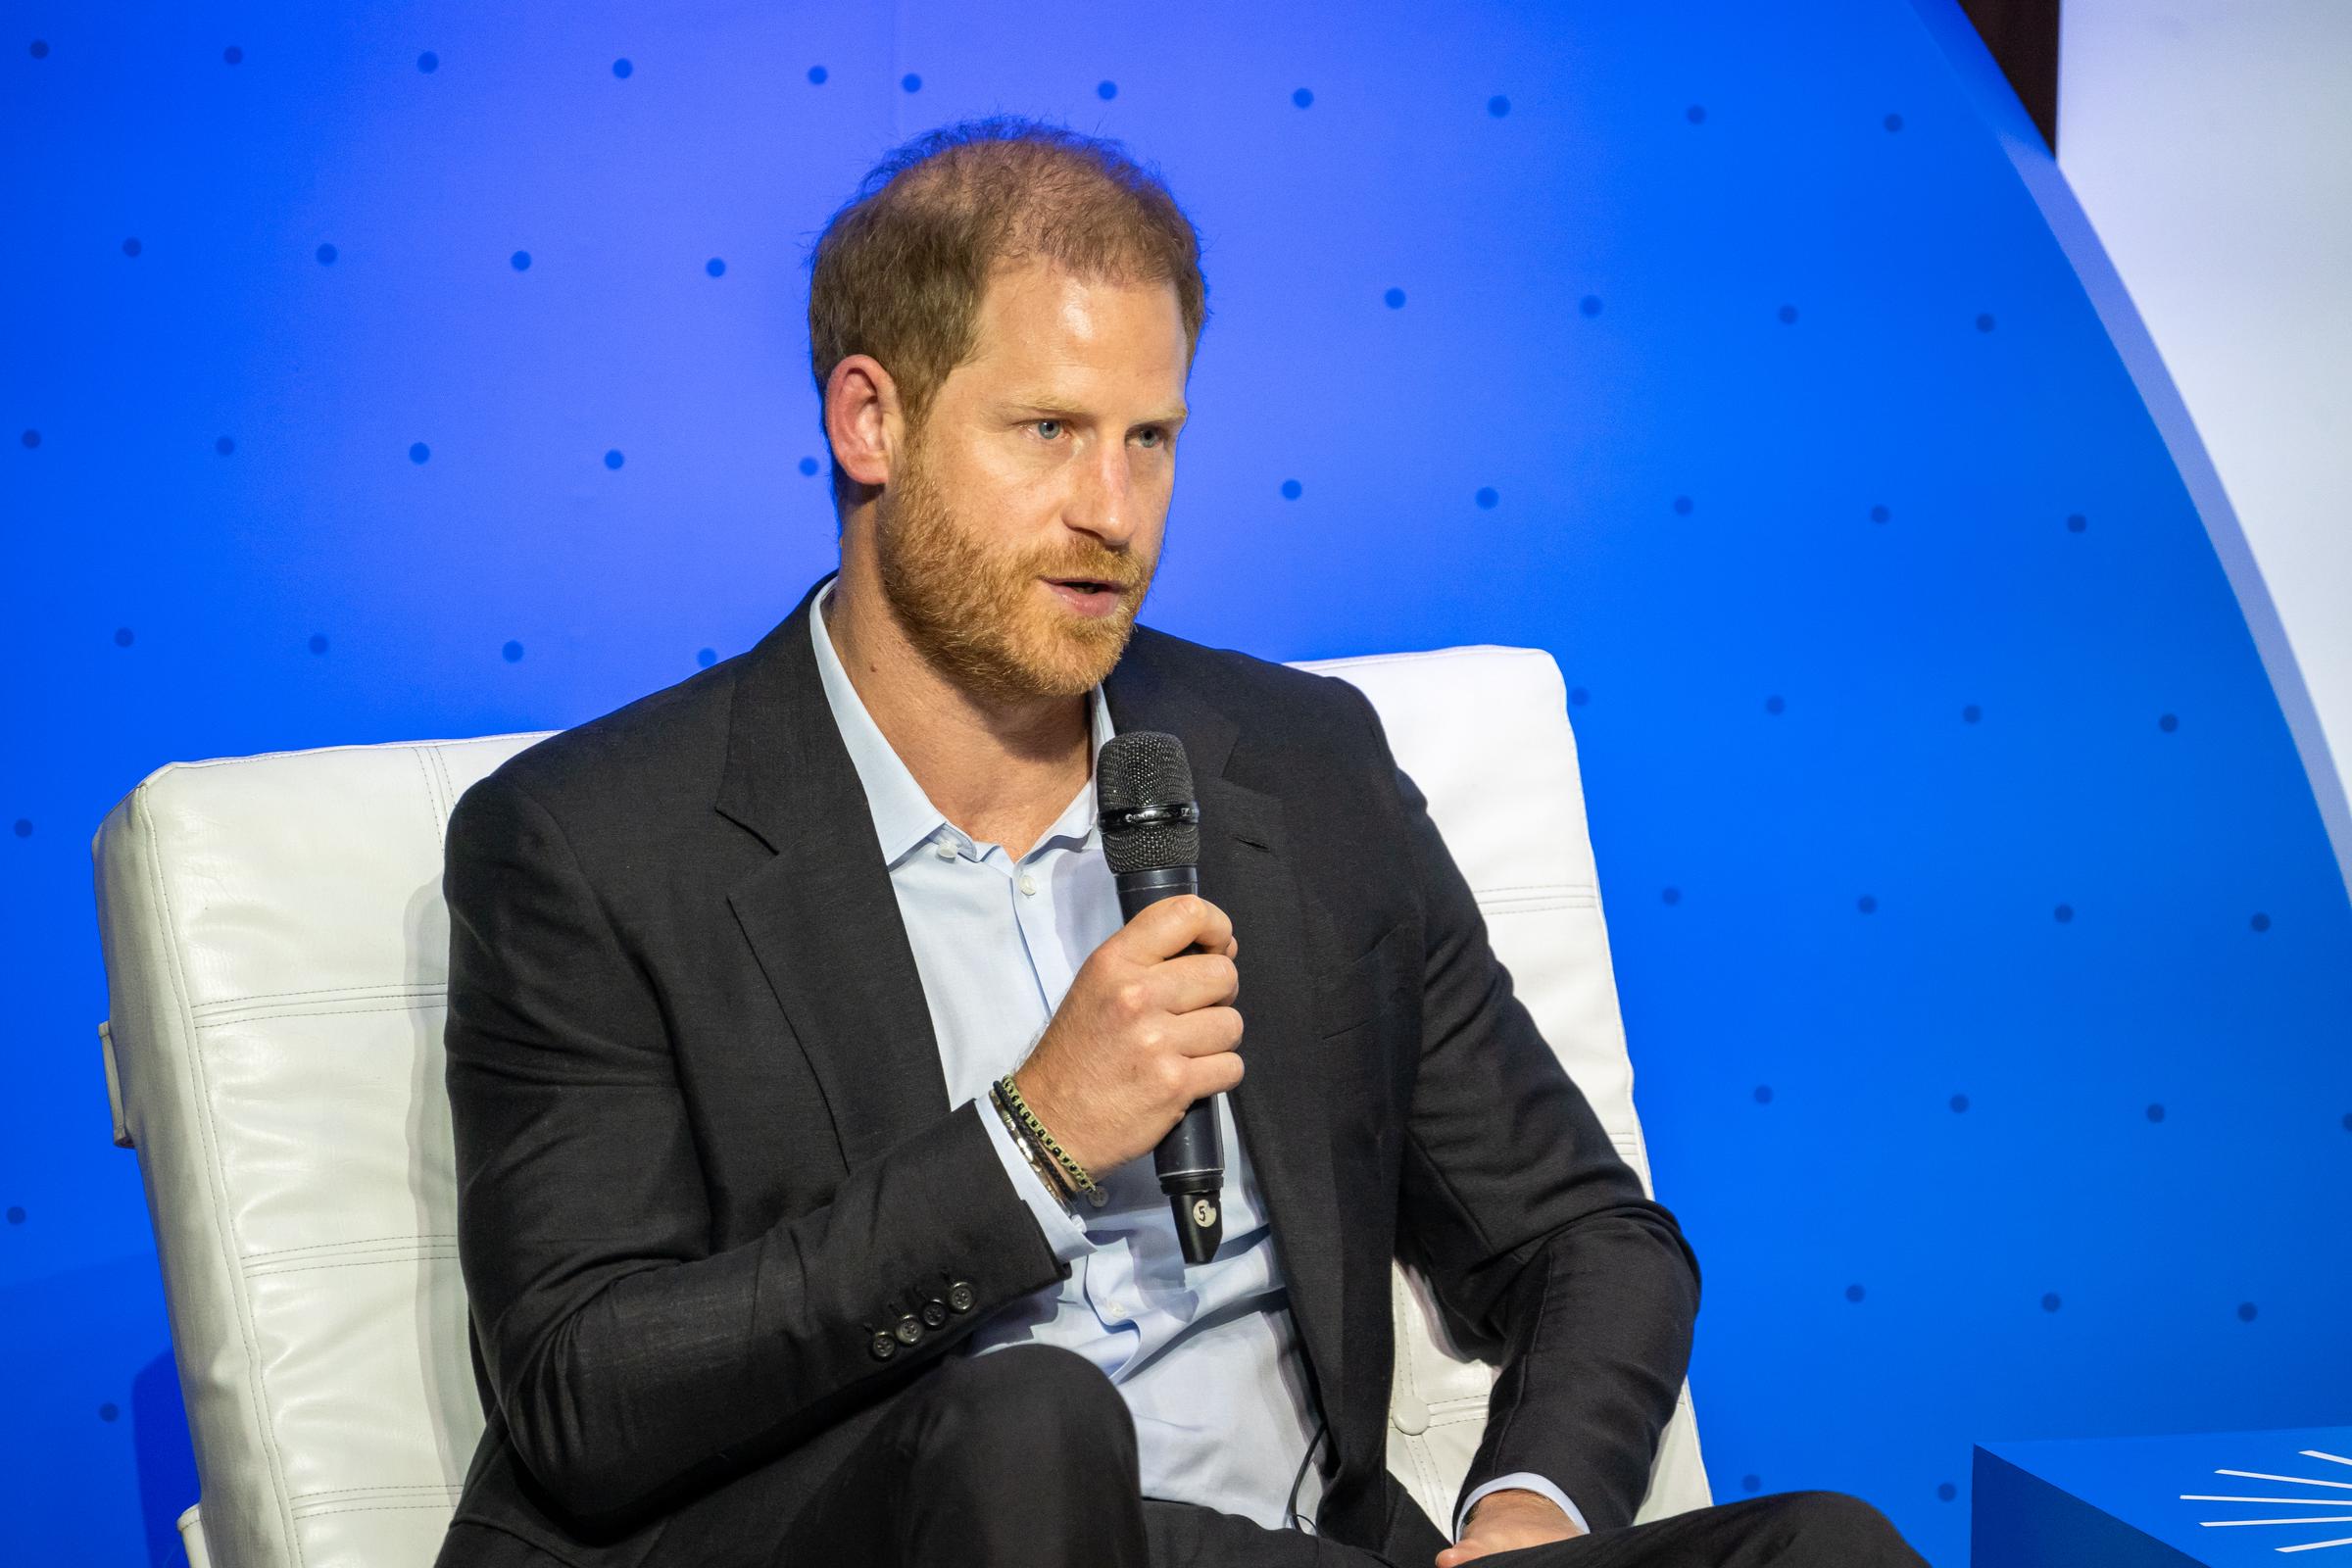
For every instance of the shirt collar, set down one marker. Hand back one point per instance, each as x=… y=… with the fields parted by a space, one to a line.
x=903 y=815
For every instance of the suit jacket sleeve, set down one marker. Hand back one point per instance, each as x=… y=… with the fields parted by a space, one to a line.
x=1534 y=1235
x=626 y=1355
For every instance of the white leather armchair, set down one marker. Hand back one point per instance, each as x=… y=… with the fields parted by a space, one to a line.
x=276 y=947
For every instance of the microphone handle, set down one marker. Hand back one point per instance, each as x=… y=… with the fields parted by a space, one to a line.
x=1191 y=1158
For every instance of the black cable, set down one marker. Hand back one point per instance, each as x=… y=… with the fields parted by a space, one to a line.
x=1290 y=1505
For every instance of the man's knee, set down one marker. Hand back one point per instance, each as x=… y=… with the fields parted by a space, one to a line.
x=1055 y=1401
x=1840 y=1527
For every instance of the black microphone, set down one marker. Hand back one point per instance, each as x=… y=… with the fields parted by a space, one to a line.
x=1151 y=838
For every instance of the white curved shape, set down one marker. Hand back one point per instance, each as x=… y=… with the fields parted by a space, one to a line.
x=2210 y=143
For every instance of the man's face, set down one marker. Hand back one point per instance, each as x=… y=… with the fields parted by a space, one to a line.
x=1019 y=530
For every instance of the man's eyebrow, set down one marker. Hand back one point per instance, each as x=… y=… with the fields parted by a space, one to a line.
x=1059 y=409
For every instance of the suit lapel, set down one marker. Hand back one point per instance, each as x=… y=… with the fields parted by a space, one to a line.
x=1282 y=1104
x=823 y=923
x=821 y=917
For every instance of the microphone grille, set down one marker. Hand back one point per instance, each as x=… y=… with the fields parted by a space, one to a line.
x=1145 y=767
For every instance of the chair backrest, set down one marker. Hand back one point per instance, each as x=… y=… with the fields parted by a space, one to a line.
x=275 y=951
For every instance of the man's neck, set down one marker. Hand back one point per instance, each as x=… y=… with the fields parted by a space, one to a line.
x=1001 y=771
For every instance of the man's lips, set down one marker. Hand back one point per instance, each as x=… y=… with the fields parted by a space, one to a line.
x=1089 y=596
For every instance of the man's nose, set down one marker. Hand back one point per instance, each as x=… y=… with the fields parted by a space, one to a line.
x=1102 y=497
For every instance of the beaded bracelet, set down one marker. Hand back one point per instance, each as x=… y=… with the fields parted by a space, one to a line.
x=1049 y=1175
x=1045 y=1140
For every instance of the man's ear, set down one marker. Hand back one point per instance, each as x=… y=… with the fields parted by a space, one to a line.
x=862 y=418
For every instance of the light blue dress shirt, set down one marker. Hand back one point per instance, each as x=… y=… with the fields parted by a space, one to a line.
x=996 y=942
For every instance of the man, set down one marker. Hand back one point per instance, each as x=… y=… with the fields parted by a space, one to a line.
x=791 y=1010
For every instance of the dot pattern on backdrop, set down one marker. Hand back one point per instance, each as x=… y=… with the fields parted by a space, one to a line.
x=1467 y=103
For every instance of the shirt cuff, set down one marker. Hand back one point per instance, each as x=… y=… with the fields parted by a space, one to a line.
x=1063 y=1233
x=1521 y=1480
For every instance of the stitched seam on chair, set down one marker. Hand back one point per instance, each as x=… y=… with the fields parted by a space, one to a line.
x=449 y=790
x=1534 y=887
x=432 y=795
x=1424 y=1461
x=445 y=791
x=396 y=988
x=379 y=1507
x=212 y=1014
x=310 y=1502
x=355 y=1241
x=267 y=1016
x=1531 y=905
x=401 y=1247
x=421 y=1497
x=208 y=1137
x=422 y=1246
x=357 y=1263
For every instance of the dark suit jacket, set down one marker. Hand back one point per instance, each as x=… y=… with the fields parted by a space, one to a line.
x=705 y=1150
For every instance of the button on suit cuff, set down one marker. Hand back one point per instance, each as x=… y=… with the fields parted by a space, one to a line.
x=1063 y=1233
x=1520 y=1481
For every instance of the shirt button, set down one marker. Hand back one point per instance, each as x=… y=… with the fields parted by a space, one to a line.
x=1028 y=883
x=945 y=849
x=1113 y=1312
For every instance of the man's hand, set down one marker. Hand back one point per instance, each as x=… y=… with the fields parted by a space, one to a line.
x=1507 y=1520
x=1146 y=1029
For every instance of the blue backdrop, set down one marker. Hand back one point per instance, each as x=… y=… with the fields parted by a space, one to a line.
x=412 y=371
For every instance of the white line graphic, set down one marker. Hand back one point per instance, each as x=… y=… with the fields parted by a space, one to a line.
x=2304 y=1503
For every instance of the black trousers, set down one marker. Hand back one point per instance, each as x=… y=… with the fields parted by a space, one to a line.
x=1026 y=1455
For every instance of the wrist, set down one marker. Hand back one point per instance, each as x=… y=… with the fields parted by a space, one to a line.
x=1514 y=1499
x=1038 y=1123
x=1041 y=1104
x=1048 y=1174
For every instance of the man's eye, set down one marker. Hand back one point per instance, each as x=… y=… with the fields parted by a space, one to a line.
x=1049 y=428
x=1152 y=435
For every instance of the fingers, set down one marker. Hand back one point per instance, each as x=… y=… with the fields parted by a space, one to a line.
x=1169 y=927
x=1208 y=1032
x=1215 y=1075
x=1192 y=980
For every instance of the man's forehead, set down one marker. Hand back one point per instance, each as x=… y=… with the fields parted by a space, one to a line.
x=1042 y=313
